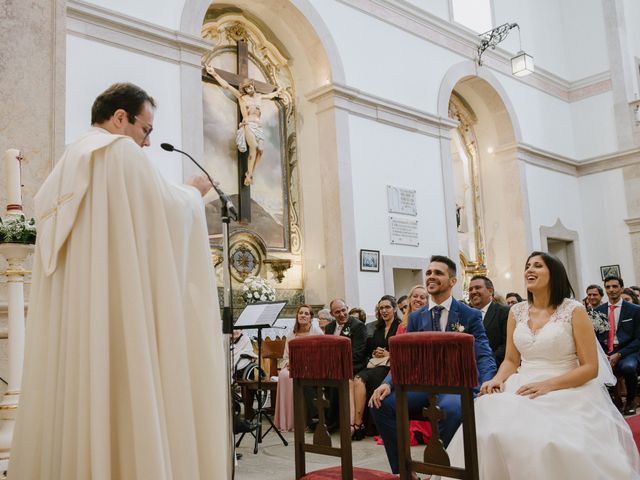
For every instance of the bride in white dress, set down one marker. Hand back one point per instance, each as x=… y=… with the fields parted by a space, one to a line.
x=546 y=414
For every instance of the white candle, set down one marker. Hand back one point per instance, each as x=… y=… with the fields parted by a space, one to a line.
x=12 y=160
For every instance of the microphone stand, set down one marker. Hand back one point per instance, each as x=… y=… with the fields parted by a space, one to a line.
x=227 y=213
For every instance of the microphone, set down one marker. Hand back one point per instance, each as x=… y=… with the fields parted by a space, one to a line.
x=223 y=196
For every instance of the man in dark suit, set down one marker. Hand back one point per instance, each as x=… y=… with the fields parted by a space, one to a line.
x=622 y=341
x=351 y=327
x=494 y=315
x=345 y=326
x=443 y=313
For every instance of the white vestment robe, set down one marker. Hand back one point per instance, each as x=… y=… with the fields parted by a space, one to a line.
x=124 y=372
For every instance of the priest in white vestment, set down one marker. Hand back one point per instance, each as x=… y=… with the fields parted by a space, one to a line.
x=124 y=372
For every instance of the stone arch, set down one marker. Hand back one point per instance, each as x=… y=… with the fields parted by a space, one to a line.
x=501 y=177
x=304 y=14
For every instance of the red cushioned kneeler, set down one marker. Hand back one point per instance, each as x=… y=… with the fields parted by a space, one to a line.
x=324 y=361
x=435 y=362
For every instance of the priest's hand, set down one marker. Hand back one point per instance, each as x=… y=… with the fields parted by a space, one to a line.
x=379 y=394
x=200 y=182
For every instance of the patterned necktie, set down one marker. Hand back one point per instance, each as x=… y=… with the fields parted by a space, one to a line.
x=436 y=313
x=612 y=328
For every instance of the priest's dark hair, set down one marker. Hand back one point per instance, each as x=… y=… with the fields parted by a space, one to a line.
x=447 y=261
x=559 y=284
x=126 y=96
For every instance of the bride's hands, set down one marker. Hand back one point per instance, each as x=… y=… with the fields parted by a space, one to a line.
x=533 y=390
x=491 y=386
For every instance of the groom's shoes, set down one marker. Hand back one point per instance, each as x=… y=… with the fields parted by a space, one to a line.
x=630 y=407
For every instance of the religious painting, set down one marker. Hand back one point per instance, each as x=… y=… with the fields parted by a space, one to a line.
x=369 y=260
x=609 y=270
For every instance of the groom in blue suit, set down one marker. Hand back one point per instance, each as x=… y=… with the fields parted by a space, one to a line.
x=443 y=313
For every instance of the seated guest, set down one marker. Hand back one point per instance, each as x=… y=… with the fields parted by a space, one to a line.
x=494 y=315
x=358 y=313
x=367 y=380
x=351 y=327
x=284 y=397
x=446 y=314
x=243 y=353
x=622 y=342
x=594 y=296
x=512 y=298
x=403 y=304
x=417 y=298
x=630 y=296
x=324 y=318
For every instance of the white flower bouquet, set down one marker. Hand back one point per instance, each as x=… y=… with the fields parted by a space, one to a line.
x=599 y=320
x=17 y=229
x=256 y=289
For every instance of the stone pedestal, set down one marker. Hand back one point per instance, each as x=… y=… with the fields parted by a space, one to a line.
x=15 y=255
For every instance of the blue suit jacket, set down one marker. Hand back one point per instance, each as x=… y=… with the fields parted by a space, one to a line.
x=628 y=331
x=471 y=320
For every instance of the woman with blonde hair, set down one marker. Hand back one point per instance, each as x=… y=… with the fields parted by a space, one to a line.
x=418 y=298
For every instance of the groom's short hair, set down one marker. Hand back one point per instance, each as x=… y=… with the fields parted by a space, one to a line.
x=451 y=265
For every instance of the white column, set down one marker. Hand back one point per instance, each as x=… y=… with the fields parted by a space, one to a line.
x=16 y=254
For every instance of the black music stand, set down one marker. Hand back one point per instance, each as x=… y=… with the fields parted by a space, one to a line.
x=259 y=316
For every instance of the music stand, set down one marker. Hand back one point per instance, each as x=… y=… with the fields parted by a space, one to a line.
x=259 y=316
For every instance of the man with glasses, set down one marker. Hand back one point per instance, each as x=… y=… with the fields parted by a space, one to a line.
x=124 y=367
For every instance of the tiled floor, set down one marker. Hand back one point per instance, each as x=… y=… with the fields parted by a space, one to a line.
x=274 y=461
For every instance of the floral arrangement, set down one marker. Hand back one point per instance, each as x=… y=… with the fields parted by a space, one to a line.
x=256 y=289
x=457 y=327
x=599 y=320
x=17 y=229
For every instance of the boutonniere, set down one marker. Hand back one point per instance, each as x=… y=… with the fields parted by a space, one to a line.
x=457 y=327
x=346 y=331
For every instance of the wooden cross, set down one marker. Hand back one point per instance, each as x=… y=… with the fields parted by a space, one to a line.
x=321 y=435
x=434 y=451
x=234 y=79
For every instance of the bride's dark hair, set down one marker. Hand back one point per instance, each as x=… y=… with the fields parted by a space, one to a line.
x=559 y=285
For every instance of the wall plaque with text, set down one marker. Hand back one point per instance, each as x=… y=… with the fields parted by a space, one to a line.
x=401 y=200
x=404 y=231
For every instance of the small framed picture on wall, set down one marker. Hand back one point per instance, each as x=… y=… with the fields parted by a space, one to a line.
x=369 y=260
x=608 y=270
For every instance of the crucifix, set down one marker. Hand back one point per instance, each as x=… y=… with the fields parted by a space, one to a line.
x=249 y=138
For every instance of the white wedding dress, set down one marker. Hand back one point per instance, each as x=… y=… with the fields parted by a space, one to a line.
x=564 y=434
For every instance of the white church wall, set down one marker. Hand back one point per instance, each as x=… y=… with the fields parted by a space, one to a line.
x=93 y=66
x=439 y=8
x=545 y=120
x=383 y=155
x=565 y=38
x=632 y=16
x=594 y=126
x=606 y=235
x=583 y=35
x=553 y=196
x=385 y=61
x=165 y=13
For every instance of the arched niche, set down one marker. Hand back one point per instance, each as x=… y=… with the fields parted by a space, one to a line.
x=327 y=231
x=502 y=198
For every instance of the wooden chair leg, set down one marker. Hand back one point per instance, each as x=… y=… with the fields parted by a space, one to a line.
x=469 y=436
x=345 y=431
x=402 y=427
x=298 y=428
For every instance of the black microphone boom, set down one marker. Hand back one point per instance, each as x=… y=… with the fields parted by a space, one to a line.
x=223 y=196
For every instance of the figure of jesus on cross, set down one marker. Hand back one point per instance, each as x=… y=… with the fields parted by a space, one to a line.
x=250 y=133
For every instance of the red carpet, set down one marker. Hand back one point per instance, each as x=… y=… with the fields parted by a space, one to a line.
x=634 y=423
